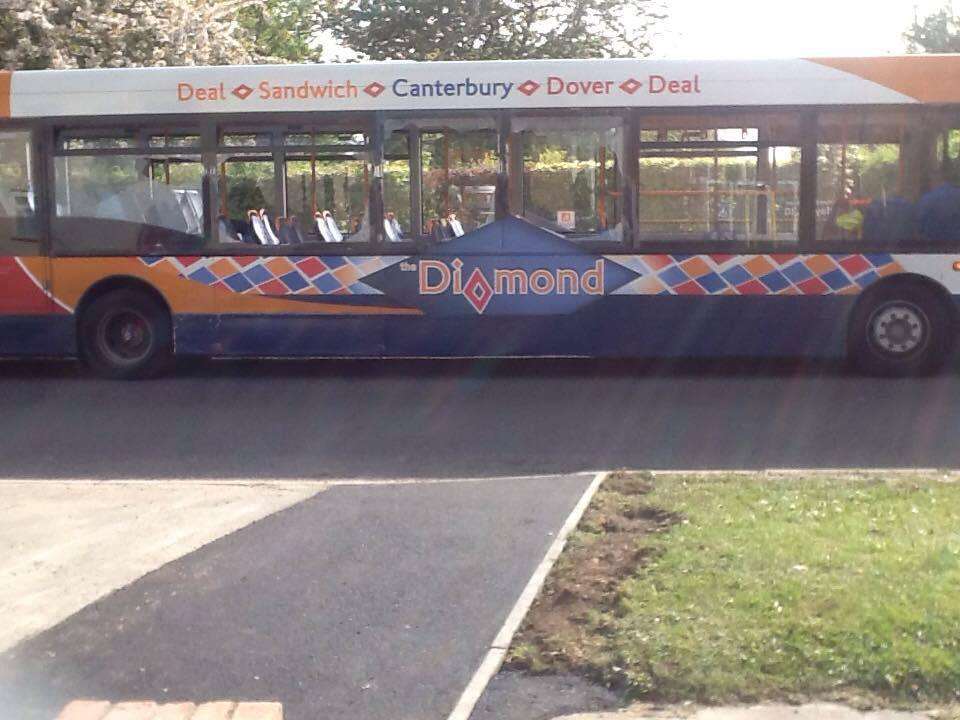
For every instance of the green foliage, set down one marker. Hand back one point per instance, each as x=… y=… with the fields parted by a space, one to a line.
x=938 y=32
x=493 y=29
x=284 y=30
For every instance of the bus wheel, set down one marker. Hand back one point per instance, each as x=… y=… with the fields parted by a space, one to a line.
x=125 y=335
x=902 y=330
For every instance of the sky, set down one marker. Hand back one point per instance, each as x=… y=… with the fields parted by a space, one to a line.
x=786 y=28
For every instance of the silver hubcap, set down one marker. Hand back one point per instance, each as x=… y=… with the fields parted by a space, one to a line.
x=898 y=328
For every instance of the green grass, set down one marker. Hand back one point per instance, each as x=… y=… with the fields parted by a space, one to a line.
x=787 y=588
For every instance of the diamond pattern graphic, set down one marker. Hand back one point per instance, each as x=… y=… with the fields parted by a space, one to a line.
x=630 y=86
x=374 y=89
x=242 y=91
x=754 y=274
x=279 y=275
x=528 y=87
x=478 y=291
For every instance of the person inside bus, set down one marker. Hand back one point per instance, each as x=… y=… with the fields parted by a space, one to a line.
x=938 y=211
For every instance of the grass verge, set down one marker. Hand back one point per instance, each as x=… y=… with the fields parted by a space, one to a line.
x=745 y=587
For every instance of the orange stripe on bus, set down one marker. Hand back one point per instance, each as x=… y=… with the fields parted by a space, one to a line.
x=5 y=77
x=927 y=78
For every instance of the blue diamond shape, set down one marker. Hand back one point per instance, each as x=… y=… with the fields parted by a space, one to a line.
x=736 y=275
x=674 y=276
x=712 y=282
x=798 y=272
x=836 y=279
x=257 y=274
x=334 y=261
x=866 y=278
x=203 y=275
x=775 y=280
x=294 y=281
x=237 y=282
x=326 y=282
x=879 y=259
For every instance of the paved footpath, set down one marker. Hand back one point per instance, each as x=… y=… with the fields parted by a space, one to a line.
x=371 y=602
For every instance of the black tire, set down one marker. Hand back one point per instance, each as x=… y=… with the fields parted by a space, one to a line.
x=125 y=335
x=900 y=330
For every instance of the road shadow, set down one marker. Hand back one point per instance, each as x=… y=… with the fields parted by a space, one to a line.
x=468 y=418
x=425 y=368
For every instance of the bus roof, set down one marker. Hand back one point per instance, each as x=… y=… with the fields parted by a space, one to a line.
x=509 y=84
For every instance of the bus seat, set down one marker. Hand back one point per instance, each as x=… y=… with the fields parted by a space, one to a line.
x=322 y=227
x=268 y=227
x=194 y=226
x=335 y=234
x=392 y=227
x=258 y=231
x=389 y=230
x=196 y=202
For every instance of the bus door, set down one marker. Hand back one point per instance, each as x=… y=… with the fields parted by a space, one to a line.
x=24 y=270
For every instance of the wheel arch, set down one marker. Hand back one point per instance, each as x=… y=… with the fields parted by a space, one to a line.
x=913 y=280
x=120 y=282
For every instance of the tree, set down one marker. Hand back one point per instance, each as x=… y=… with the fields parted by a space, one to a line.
x=938 y=32
x=130 y=33
x=284 y=30
x=493 y=29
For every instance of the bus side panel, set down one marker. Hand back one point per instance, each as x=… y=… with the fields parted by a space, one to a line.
x=294 y=336
x=638 y=326
x=30 y=322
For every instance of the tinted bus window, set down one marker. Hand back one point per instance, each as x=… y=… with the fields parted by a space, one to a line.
x=397 y=221
x=126 y=193
x=19 y=224
x=440 y=178
x=327 y=173
x=572 y=180
x=888 y=177
x=735 y=179
x=459 y=180
x=318 y=196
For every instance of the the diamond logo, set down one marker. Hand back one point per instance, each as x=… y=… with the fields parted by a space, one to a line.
x=631 y=86
x=374 y=89
x=528 y=87
x=478 y=291
x=242 y=91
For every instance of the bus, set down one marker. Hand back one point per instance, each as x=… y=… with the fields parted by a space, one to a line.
x=576 y=208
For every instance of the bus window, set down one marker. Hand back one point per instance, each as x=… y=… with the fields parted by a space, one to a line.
x=572 y=180
x=709 y=179
x=459 y=178
x=120 y=191
x=397 y=222
x=320 y=195
x=19 y=225
x=862 y=194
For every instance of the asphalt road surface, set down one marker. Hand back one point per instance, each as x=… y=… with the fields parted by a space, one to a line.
x=372 y=602
x=467 y=419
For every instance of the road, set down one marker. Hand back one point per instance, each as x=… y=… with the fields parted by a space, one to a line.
x=373 y=602
x=467 y=419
